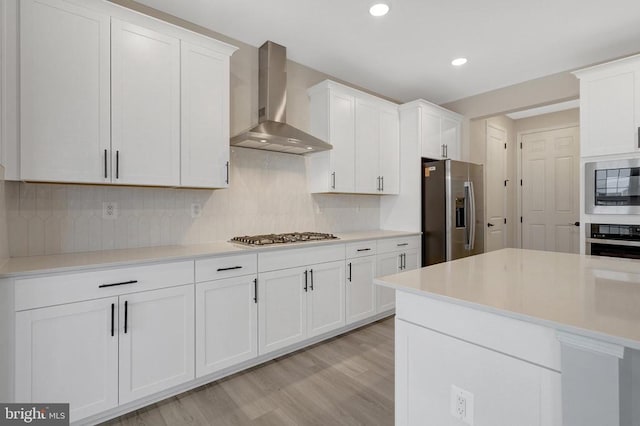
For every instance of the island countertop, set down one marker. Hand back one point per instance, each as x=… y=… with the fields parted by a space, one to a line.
x=598 y=297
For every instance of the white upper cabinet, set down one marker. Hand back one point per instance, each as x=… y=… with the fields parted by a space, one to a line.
x=111 y=96
x=64 y=92
x=438 y=129
x=145 y=106
x=610 y=108
x=205 y=117
x=364 y=132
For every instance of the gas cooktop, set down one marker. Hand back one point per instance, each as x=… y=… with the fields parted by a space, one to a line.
x=293 y=237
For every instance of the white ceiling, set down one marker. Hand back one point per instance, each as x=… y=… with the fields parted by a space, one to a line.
x=407 y=54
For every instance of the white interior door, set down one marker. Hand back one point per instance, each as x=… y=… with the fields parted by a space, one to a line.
x=157 y=341
x=496 y=175
x=69 y=353
x=551 y=190
x=145 y=90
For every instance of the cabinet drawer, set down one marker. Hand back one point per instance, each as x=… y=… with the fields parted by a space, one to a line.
x=361 y=248
x=57 y=289
x=283 y=259
x=397 y=244
x=226 y=267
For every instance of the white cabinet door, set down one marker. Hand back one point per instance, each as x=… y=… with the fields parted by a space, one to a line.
x=205 y=117
x=325 y=299
x=387 y=264
x=282 y=316
x=390 y=151
x=64 y=89
x=145 y=106
x=156 y=341
x=609 y=106
x=450 y=137
x=342 y=137
x=367 y=159
x=69 y=353
x=431 y=136
x=410 y=260
x=226 y=323
x=360 y=300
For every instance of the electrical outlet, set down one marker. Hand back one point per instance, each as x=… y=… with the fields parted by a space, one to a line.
x=462 y=405
x=196 y=210
x=109 y=210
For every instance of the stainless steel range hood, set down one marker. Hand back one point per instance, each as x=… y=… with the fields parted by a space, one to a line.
x=273 y=133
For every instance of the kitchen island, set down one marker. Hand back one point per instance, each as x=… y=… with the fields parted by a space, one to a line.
x=518 y=337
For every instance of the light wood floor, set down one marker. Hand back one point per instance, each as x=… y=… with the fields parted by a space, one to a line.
x=347 y=380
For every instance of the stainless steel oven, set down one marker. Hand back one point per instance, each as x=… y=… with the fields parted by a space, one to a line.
x=613 y=240
x=612 y=187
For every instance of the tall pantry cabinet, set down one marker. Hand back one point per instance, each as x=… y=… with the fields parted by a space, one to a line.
x=110 y=96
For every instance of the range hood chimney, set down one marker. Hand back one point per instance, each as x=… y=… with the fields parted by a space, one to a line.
x=272 y=132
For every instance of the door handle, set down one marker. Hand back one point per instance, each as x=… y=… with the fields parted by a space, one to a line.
x=117 y=164
x=227 y=180
x=255 y=290
x=306 y=278
x=378 y=183
x=113 y=309
x=489 y=225
x=333 y=180
x=311 y=274
x=126 y=312
x=229 y=268
x=400 y=255
x=117 y=284
x=105 y=163
x=349 y=272
x=382 y=183
x=576 y=223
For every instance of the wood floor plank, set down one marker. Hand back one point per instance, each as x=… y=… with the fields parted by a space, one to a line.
x=346 y=381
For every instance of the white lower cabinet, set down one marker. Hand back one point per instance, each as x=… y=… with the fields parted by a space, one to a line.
x=156 y=341
x=325 y=298
x=69 y=353
x=360 y=300
x=282 y=308
x=394 y=256
x=298 y=303
x=226 y=323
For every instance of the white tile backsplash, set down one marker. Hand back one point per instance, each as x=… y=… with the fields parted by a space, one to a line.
x=268 y=193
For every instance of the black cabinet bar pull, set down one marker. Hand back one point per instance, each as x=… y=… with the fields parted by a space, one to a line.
x=305 y=280
x=311 y=273
x=333 y=180
x=364 y=249
x=105 y=163
x=113 y=309
x=227 y=181
x=229 y=269
x=255 y=290
x=116 y=284
x=117 y=164
x=402 y=244
x=378 y=183
x=126 y=313
x=382 y=183
x=400 y=261
x=349 y=272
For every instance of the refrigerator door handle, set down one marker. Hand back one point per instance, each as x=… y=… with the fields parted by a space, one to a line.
x=472 y=216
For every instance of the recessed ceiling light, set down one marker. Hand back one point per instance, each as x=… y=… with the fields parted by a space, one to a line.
x=309 y=147
x=459 y=61
x=379 y=9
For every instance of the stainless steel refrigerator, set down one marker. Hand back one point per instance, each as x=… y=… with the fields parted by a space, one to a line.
x=452 y=210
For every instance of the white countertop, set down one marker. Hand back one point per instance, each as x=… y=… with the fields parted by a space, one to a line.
x=19 y=266
x=594 y=296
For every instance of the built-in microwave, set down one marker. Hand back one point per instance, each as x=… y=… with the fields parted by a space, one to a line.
x=612 y=187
